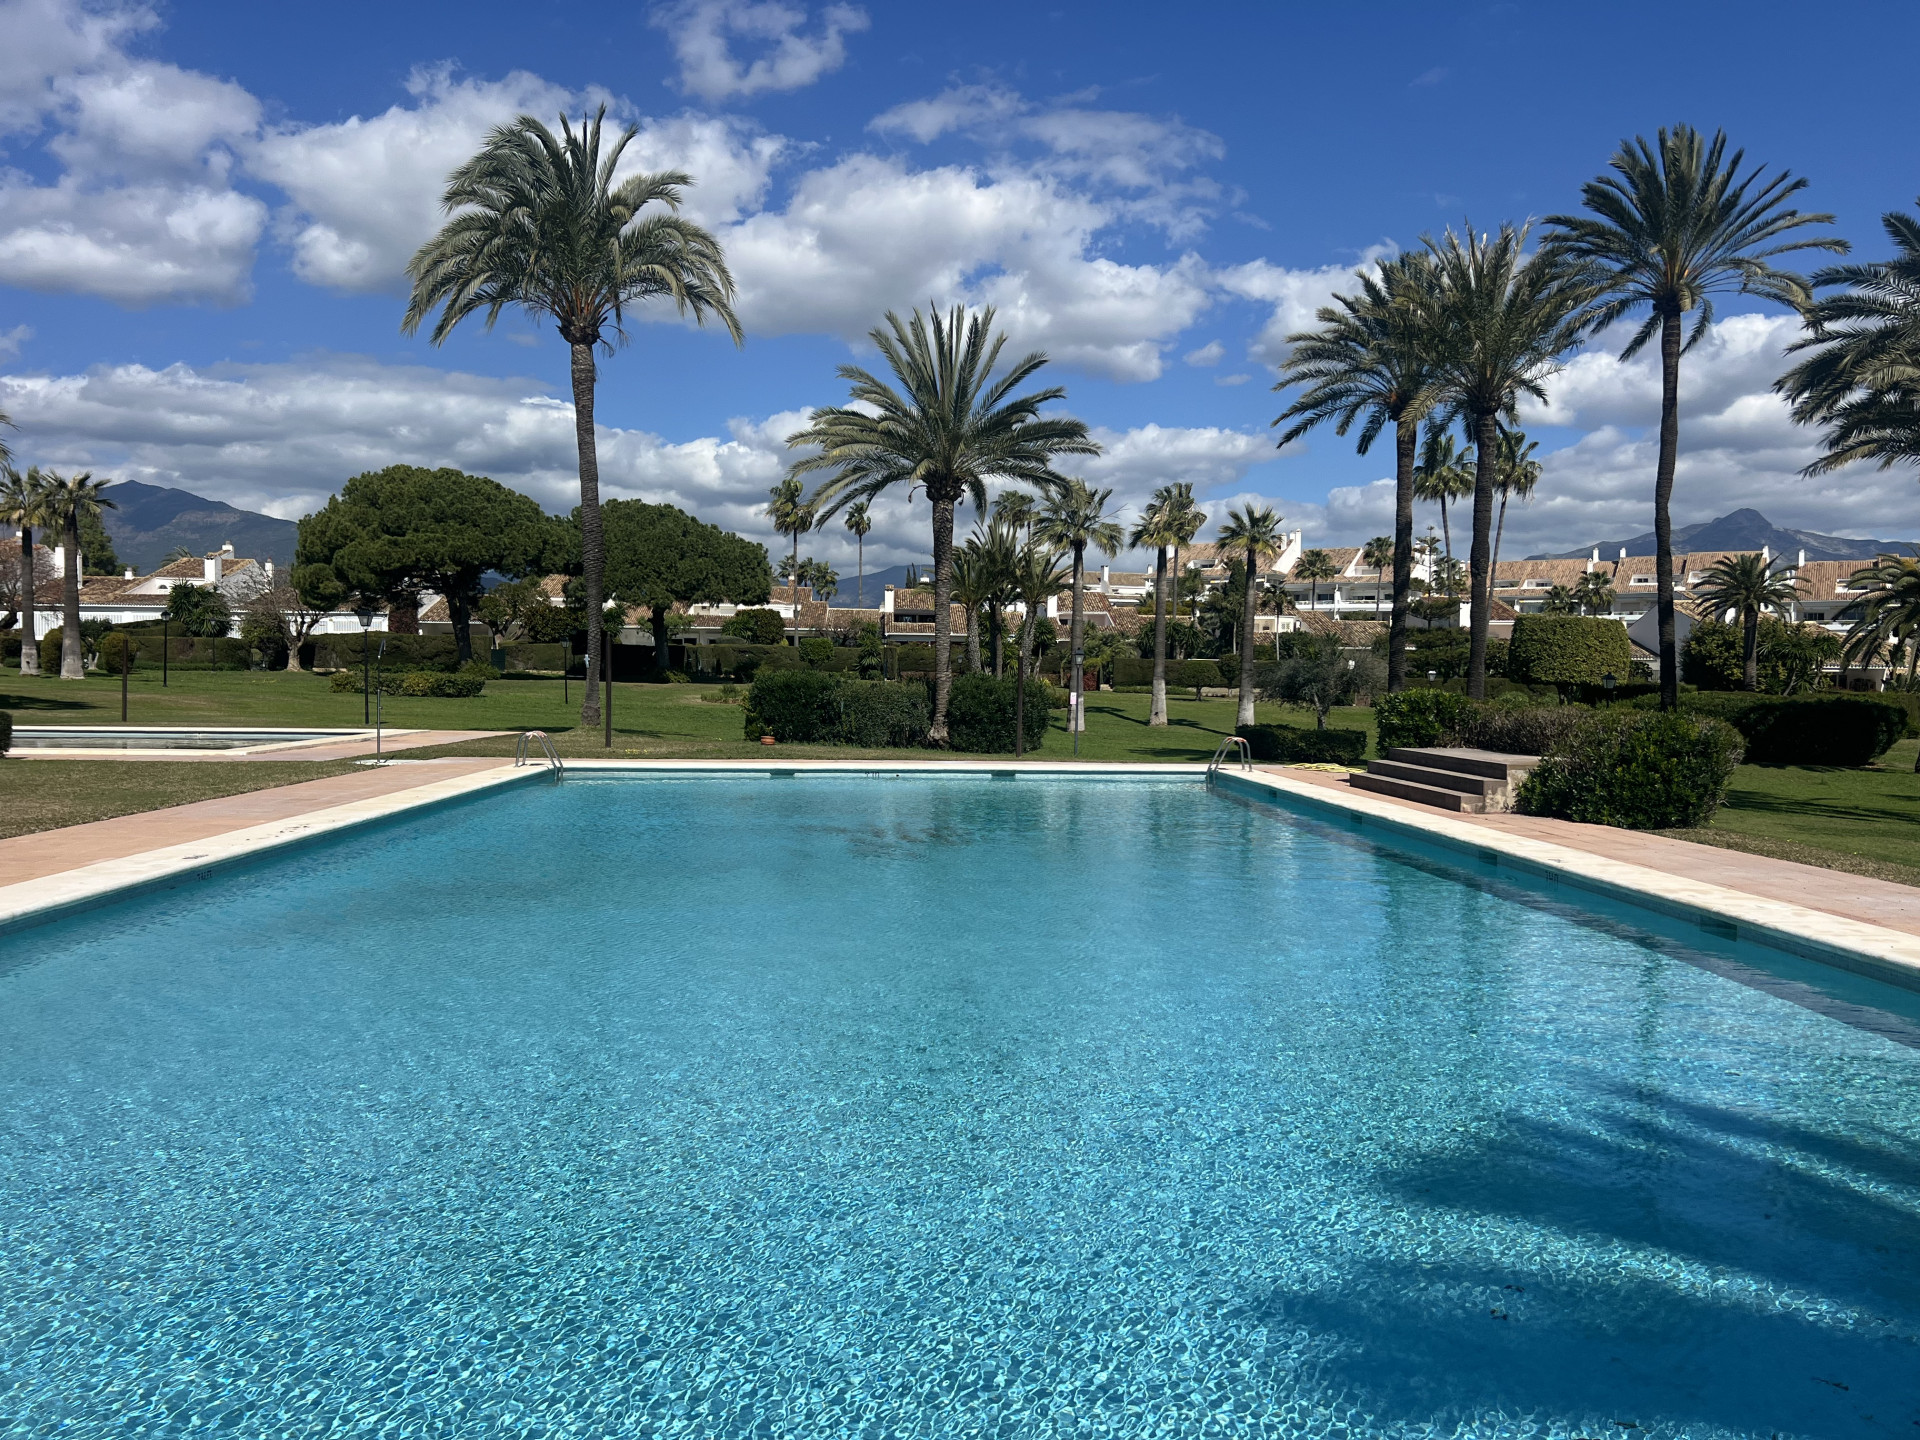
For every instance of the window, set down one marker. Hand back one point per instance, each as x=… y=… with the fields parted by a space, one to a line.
x=1643 y=580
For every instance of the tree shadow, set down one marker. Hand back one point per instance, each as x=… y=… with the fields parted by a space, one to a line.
x=1887 y=809
x=41 y=702
x=1707 y=1266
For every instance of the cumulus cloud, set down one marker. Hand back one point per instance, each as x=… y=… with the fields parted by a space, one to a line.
x=12 y=341
x=704 y=33
x=48 y=40
x=1211 y=353
x=135 y=243
x=1295 y=295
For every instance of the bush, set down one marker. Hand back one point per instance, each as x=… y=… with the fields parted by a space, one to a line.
x=345 y=682
x=1520 y=729
x=6 y=732
x=1195 y=675
x=816 y=651
x=1132 y=670
x=1846 y=730
x=50 y=646
x=1417 y=718
x=435 y=684
x=1638 y=770
x=113 y=646
x=883 y=714
x=1445 y=653
x=1787 y=658
x=1290 y=745
x=1568 y=650
x=761 y=627
x=796 y=707
x=980 y=712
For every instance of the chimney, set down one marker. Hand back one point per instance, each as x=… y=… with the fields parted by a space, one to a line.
x=212 y=567
x=1106 y=576
x=1801 y=563
x=1593 y=560
x=1623 y=552
x=60 y=563
x=269 y=565
x=1766 y=554
x=129 y=574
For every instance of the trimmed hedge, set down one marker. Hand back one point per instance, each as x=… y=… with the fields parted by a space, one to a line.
x=6 y=732
x=980 y=711
x=1195 y=674
x=1568 y=650
x=1642 y=771
x=1844 y=730
x=1520 y=729
x=1419 y=718
x=1291 y=745
x=822 y=707
x=884 y=714
x=464 y=684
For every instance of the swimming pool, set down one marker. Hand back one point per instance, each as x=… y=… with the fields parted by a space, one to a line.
x=935 y=1106
x=136 y=737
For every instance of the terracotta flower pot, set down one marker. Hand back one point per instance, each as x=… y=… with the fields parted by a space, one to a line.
x=766 y=740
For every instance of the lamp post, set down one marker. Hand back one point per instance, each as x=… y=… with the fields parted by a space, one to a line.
x=364 y=614
x=1606 y=683
x=126 y=664
x=378 y=714
x=166 y=643
x=1078 y=699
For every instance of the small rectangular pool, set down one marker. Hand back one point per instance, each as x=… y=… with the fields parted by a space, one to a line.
x=933 y=1106
x=134 y=737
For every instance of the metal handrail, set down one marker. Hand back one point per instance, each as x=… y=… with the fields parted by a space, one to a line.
x=520 y=751
x=1219 y=754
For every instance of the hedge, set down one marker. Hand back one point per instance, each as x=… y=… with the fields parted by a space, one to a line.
x=1291 y=745
x=1568 y=650
x=802 y=707
x=1520 y=729
x=1642 y=771
x=884 y=714
x=1419 y=718
x=464 y=684
x=1131 y=670
x=980 y=711
x=1195 y=675
x=6 y=732
x=1844 y=730
x=404 y=652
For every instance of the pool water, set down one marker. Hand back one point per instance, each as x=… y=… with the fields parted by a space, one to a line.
x=890 y=1107
x=79 y=737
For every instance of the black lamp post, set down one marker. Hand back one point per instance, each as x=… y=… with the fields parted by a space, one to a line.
x=166 y=643
x=365 y=616
x=1606 y=683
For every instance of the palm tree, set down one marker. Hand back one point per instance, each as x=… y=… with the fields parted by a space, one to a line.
x=1594 y=592
x=1155 y=529
x=1076 y=517
x=1445 y=474
x=1017 y=508
x=537 y=222
x=1675 y=223
x=997 y=551
x=1748 y=585
x=790 y=516
x=1378 y=554
x=1515 y=479
x=1372 y=361
x=1863 y=380
x=951 y=427
x=1506 y=318
x=23 y=502
x=1888 y=611
x=6 y=451
x=1314 y=566
x=1257 y=531
x=1035 y=578
x=860 y=523
x=1559 y=600
x=973 y=583
x=70 y=500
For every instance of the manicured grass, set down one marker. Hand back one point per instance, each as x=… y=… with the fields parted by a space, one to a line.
x=1868 y=815
x=48 y=794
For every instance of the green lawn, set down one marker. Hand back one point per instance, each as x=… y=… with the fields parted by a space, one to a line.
x=53 y=793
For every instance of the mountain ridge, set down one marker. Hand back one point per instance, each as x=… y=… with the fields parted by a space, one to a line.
x=150 y=520
x=1743 y=529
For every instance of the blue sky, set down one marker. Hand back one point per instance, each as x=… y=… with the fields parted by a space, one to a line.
x=206 y=208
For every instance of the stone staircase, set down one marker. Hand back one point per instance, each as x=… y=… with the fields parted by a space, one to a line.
x=1474 y=781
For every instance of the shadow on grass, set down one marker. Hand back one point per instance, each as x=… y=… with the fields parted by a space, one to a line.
x=1139 y=722
x=1800 y=1310
x=1890 y=809
x=41 y=702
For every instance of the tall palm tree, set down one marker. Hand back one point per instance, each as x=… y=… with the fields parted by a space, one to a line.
x=1372 y=361
x=1255 y=530
x=23 y=502
x=1594 y=592
x=1506 y=317
x=1184 y=520
x=1674 y=224
x=1017 y=508
x=952 y=426
x=1862 y=381
x=1443 y=476
x=1314 y=566
x=1035 y=578
x=1076 y=517
x=1515 y=479
x=974 y=582
x=790 y=514
x=1888 y=611
x=1377 y=554
x=1154 y=528
x=859 y=523
x=1749 y=586
x=71 y=499
x=537 y=222
x=996 y=550
x=6 y=451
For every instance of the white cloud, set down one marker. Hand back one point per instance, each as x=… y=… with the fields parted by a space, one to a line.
x=1231 y=379
x=959 y=107
x=12 y=341
x=1295 y=295
x=704 y=31
x=1211 y=353
x=47 y=40
x=133 y=244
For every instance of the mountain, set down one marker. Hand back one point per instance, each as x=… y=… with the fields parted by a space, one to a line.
x=847 y=595
x=1743 y=530
x=153 y=519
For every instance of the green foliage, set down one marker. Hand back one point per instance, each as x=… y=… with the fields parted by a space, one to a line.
x=403 y=652
x=872 y=659
x=816 y=651
x=1445 y=653
x=1641 y=770
x=345 y=682
x=1789 y=662
x=760 y=627
x=1321 y=673
x=1417 y=718
x=265 y=630
x=1519 y=729
x=796 y=707
x=96 y=546
x=877 y=715
x=1194 y=675
x=980 y=714
x=659 y=554
x=1290 y=745
x=6 y=732
x=1831 y=729
x=199 y=610
x=116 y=647
x=1568 y=650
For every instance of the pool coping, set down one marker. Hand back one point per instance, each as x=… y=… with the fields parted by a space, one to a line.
x=311 y=739
x=1846 y=943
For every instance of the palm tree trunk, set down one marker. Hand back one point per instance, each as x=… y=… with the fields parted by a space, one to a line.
x=29 y=647
x=860 y=584
x=1499 y=529
x=1480 y=574
x=72 y=657
x=1662 y=505
x=942 y=621
x=1246 y=643
x=1023 y=639
x=973 y=639
x=793 y=586
x=995 y=634
x=1446 y=529
x=1077 y=691
x=1157 y=713
x=593 y=545
x=1750 y=669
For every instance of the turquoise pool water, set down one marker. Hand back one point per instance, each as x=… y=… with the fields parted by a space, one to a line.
x=937 y=1107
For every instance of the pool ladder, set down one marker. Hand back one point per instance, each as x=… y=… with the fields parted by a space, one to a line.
x=520 y=753
x=1239 y=742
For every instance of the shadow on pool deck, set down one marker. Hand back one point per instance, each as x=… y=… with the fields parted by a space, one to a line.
x=1734 y=1193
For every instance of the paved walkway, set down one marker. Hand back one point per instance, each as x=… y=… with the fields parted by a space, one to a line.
x=1856 y=897
x=32 y=857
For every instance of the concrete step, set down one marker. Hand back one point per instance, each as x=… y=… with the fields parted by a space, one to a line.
x=1490 y=764
x=1441 y=779
x=1437 y=796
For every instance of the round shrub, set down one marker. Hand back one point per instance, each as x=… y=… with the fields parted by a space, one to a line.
x=796 y=707
x=115 y=644
x=50 y=645
x=1195 y=675
x=1568 y=650
x=345 y=682
x=980 y=711
x=883 y=714
x=1640 y=770
x=1418 y=718
x=816 y=651
x=761 y=627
